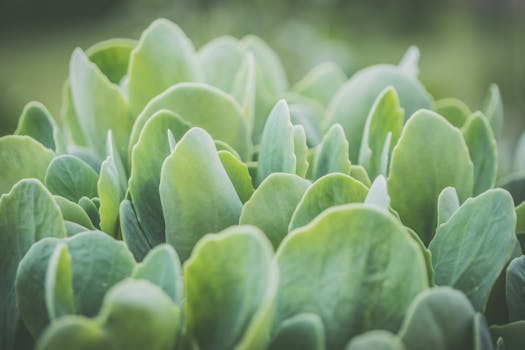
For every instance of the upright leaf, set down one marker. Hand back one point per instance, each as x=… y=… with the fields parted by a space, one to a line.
x=482 y=148
x=112 y=57
x=197 y=195
x=332 y=154
x=37 y=122
x=516 y=289
x=430 y=155
x=146 y=166
x=58 y=284
x=304 y=331
x=163 y=57
x=455 y=111
x=135 y=238
x=378 y=194
x=276 y=151
x=473 y=246
x=321 y=83
x=27 y=214
x=448 y=203
x=300 y=150
x=376 y=340
x=493 y=109
x=22 y=157
x=350 y=253
x=225 y=315
x=271 y=206
x=239 y=175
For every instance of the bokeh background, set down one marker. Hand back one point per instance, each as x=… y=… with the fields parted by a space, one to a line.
x=465 y=45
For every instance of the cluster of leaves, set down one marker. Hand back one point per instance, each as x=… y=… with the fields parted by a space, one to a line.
x=194 y=200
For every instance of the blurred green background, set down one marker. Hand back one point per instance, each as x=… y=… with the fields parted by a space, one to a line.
x=465 y=45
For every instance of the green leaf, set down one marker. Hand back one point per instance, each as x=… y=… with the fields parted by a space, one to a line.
x=376 y=340
x=482 y=148
x=378 y=194
x=97 y=263
x=22 y=157
x=71 y=178
x=27 y=214
x=481 y=334
x=300 y=150
x=448 y=204
x=203 y=106
x=455 y=111
x=513 y=334
x=58 y=284
x=270 y=82
x=440 y=318
x=112 y=186
x=230 y=284
x=163 y=57
x=243 y=89
x=304 y=331
x=385 y=118
x=328 y=191
x=516 y=289
x=276 y=151
x=135 y=315
x=430 y=155
x=37 y=122
x=220 y=60
x=162 y=267
x=359 y=173
x=305 y=115
x=197 y=195
x=332 y=153
x=89 y=206
x=99 y=105
x=352 y=103
x=272 y=204
x=473 y=246
x=349 y=253
x=493 y=109
x=238 y=174
x=135 y=238
x=321 y=83
x=73 y=212
x=112 y=57
x=146 y=165
x=409 y=63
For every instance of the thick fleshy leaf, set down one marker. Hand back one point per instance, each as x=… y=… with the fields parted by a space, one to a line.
x=455 y=111
x=272 y=204
x=410 y=61
x=448 y=203
x=112 y=186
x=440 y=318
x=473 y=246
x=359 y=173
x=238 y=174
x=27 y=214
x=512 y=335
x=58 y=284
x=300 y=150
x=304 y=331
x=353 y=253
x=37 y=122
x=376 y=340
x=220 y=60
x=112 y=57
x=203 y=106
x=91 y=209
x=72 y=178
x=352 y=103
x=162 y=267
x=22 y=157
x=135 y=315
x=97 y=263
x=332 y=154
x=378 y=194
x=230 y=283
x=321 y=83
x=430 y=155
x=516 y=289
x=482 y=148
x=73 y=212
x=243 y=89
x=196 y=193
x=276 y=151
x=146 y=166
x=481 y=334
x=163 y=57
x=99 y=105
x=493 y=109
x=329 y=191
x=270 y=82
x=385 y=118
x=135 y=238
x=304 y=115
